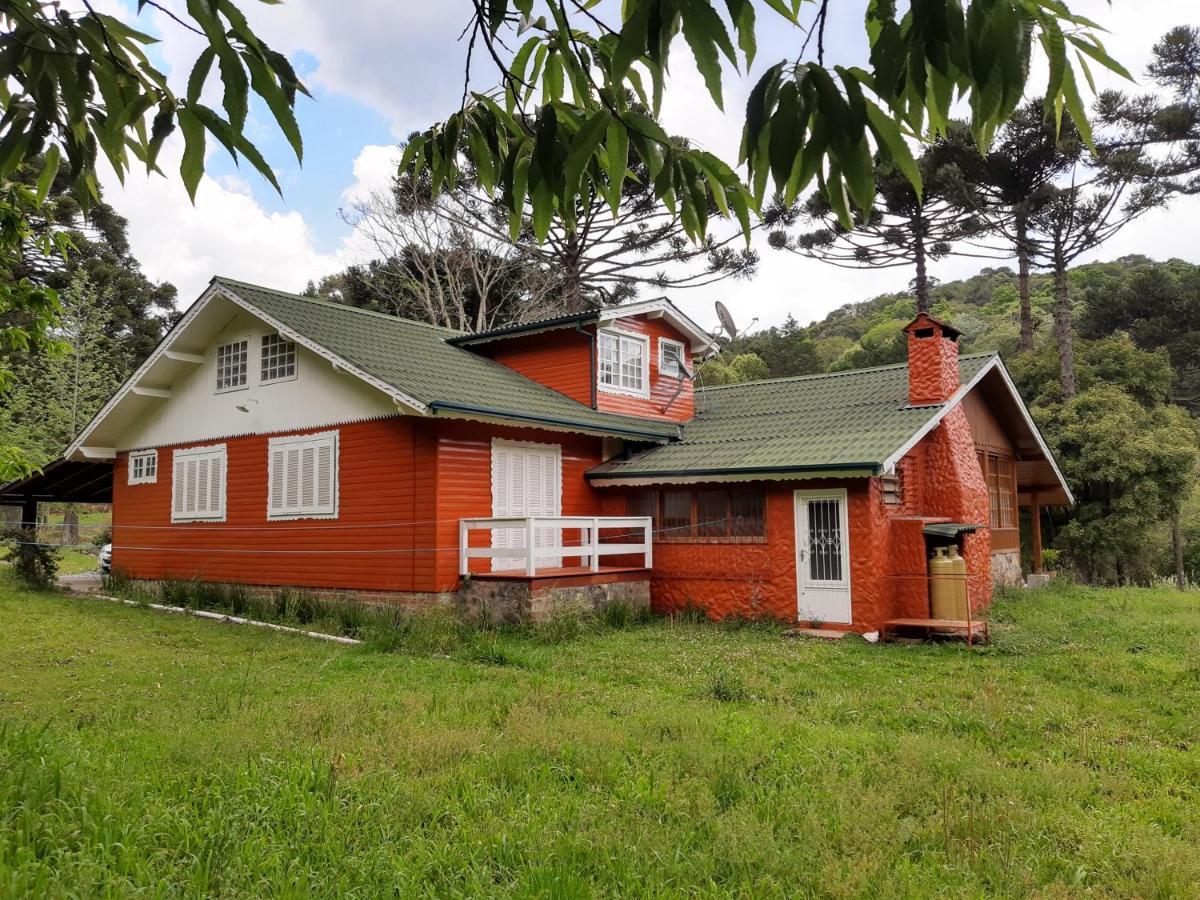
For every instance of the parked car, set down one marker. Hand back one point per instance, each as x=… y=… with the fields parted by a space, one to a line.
x=106 y=559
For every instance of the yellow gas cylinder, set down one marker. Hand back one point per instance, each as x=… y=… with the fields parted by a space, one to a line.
x=947 y=584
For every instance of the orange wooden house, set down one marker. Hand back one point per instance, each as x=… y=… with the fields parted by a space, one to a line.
x=273 y=439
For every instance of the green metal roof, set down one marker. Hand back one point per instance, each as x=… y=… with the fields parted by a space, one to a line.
x=418 y=361
x=838 y=423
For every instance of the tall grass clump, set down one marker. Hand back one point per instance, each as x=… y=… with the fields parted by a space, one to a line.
x=726 y=686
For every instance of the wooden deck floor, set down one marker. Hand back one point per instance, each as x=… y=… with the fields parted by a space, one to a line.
x=972 y=631
x=605 y=573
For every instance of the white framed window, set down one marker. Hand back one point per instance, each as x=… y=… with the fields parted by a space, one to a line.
x=143 y=467
x=302 y=476
x=624 y=364
x=232 y=365
x=670 y=358
x=278 y=359
x=198 y=484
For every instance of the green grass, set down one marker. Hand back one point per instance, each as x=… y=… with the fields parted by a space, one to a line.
x=147 y=752
x=78 y=562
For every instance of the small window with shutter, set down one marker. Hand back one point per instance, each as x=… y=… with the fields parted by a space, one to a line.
x=198 y=484
x=302 y=477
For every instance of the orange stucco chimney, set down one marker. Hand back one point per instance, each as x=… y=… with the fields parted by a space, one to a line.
x=932 y=360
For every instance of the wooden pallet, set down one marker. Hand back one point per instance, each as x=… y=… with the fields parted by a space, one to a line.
x=968 y=629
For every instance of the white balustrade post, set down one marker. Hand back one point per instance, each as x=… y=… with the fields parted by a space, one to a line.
x=648 y=538
x=530 y=550
x=595 y=545
x=463 y=566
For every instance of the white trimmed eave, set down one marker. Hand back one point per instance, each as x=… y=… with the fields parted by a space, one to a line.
x=661 y=308
x=997 y=365
x=137 y=389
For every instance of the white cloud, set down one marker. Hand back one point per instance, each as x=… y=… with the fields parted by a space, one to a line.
x=225 y=233
x=373 y=170
x=404 y=60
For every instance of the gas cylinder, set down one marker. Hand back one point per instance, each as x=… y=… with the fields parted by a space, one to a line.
x=948 y=584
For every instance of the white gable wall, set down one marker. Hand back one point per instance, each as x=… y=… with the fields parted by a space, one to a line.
x=317 y=396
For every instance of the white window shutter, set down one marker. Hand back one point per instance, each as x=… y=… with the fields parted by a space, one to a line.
x=189 y=503
x=198 y=484
x=303 y=476
x=325 y=478
x=276 y=465
x=308 y=476
x=176 y=486
x=216 y=486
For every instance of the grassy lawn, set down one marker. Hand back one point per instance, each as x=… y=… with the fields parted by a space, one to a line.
x=146 y=752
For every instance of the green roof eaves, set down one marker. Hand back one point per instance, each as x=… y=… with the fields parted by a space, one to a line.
x=606 y=428
x=864 y=470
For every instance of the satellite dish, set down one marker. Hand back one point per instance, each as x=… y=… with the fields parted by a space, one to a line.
x=726 y=320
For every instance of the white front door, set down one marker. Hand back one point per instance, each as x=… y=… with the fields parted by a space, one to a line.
x=822 y=556
x=526 y=481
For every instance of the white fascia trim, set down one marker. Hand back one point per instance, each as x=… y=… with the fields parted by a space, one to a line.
x=994 y=364
x=185 y=322
x=158 y=352
x=677 y=317
x=332 y=358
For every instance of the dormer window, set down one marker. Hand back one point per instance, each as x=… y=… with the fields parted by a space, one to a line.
x=670 y=358
x=232 y=365
x=624 y=364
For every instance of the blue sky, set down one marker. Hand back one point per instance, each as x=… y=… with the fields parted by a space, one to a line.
x=379 y=70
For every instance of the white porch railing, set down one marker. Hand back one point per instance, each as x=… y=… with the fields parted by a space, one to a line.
x=535 y=541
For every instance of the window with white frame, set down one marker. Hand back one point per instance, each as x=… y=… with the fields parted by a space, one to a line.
x=303 y=476
x=143 y=467
x=670 y=358
x=624 y=363
x=198 y=484
x=278 y=358
x=232 y=361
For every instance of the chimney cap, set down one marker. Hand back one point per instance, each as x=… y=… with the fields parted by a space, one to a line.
x=924 y=320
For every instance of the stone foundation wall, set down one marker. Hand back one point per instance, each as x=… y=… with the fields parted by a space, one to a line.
x=517 y=601
x=1006 y=569
x=478 y=599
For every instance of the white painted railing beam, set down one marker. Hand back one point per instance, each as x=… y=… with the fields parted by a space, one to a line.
x=589 y=548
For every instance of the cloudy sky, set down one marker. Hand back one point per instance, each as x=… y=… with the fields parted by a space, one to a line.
x=379 y=70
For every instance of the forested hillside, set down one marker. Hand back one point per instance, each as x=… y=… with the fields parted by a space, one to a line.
x=1127 y=441
x=1157 y=303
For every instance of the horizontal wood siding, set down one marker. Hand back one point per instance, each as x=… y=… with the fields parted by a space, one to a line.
x=464 y=463
x=558 y=359
x=662 y=389
x=368 y=546
x=985 y=426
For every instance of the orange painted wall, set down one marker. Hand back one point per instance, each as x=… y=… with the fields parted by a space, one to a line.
x=888 y=559
x=562 y=360
x=662 y=388
x=370 y=544
x=464 y=464
x=404 y=483
x=558 y=359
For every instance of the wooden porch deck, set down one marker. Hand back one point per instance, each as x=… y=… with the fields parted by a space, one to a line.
x=970 y=630
x=567 y=576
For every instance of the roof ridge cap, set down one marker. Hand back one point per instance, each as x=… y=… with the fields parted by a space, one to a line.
x=816 y=375
x=319 y=301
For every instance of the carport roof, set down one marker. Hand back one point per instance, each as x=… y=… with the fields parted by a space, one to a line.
x=63 y=481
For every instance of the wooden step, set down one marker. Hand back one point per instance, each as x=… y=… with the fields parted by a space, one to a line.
x=969 y=630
